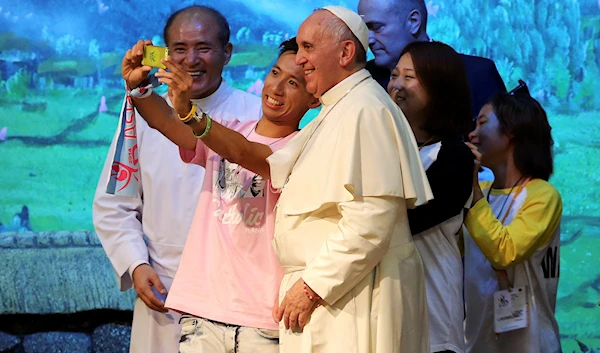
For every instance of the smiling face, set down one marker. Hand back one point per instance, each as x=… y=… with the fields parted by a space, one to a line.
x=194 y=44
x=285 y=99
x=319 y=54
x=492 y=143
x=407 y=91
x=389 y=33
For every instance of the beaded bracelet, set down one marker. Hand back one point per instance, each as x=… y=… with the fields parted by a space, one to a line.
x=311 y=297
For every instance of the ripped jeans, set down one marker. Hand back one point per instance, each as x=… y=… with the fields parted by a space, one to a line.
x=200 y=335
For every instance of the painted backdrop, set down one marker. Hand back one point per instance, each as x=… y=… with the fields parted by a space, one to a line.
x=60 y=92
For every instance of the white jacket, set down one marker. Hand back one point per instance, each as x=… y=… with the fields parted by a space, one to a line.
x=153 y=229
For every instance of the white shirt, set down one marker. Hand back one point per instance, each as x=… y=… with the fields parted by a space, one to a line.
x=438 y=247
x=153 y=229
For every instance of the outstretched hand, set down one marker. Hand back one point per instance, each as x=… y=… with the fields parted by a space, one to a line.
x=180 y=84
x=132 y=69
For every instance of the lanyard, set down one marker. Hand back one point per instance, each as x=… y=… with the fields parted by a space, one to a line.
x=502 y=274
x=521 y=187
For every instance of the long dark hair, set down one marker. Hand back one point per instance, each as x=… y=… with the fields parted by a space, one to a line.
x=525 y=122
x=444 y=77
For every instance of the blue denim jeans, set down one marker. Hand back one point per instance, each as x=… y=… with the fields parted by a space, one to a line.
x=200 y=335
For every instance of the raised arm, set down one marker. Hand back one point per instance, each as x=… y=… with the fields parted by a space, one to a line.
x=227 y=143
x=154 y=109
x=531 y=229
x=160 y=116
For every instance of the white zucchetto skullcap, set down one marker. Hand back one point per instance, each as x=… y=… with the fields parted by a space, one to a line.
x=353 y=21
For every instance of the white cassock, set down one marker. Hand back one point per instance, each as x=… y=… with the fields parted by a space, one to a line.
x=341 y=224
x=169 y=189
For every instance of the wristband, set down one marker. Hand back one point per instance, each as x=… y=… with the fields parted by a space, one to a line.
x=189 y=117
x=146 y=90
x=206 y=129
x=140 y=92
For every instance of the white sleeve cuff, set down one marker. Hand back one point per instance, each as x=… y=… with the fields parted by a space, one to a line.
x=134 y=265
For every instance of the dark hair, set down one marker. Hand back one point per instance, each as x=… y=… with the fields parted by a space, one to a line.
x=222 y=23
x=525 y=122
x=288 y=45
x=444 y=77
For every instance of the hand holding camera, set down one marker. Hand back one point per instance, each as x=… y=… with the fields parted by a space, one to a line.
x=139 y=61
x=180 y=84
x=133 y=69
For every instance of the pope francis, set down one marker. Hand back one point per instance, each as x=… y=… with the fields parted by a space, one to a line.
x=354 y=280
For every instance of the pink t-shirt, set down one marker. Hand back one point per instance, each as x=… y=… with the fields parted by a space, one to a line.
x=229 y=271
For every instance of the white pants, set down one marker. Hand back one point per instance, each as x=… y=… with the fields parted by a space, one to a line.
x=154 y=332
x=199 y=335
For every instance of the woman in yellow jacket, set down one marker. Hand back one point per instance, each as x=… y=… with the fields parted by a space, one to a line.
x=512 y=247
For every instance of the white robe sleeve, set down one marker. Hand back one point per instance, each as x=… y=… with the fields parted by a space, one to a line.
x=118 y=223
x=348 y=255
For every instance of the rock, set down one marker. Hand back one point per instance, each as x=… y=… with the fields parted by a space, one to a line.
x=111 y=338
x=44 y=239
x=26 y=239
x=8 y=341
x=57 y=342
x=62 y=238
x=80 y=238
x=93 y=238
x=8 y=240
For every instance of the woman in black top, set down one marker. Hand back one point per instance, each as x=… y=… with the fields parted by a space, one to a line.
x=430 y=85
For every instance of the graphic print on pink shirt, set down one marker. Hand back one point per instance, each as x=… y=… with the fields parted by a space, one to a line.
x=229 y=186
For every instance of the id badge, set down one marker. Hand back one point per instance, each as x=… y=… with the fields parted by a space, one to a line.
x=511 y=311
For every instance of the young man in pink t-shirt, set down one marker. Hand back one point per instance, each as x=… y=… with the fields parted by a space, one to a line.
x=228 y=278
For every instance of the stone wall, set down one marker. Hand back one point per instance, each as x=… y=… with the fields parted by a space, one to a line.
x=60 y=294
x=57 y=272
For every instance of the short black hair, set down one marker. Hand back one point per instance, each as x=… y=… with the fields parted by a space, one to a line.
x=224 y=31
x=442 y=74
x=288 y=45
x=525 y=122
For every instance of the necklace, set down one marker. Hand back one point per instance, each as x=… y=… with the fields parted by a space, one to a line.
x=426 y=142
x=505 y=200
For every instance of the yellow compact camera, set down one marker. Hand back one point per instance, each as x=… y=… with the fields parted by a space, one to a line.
x=153 y=56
